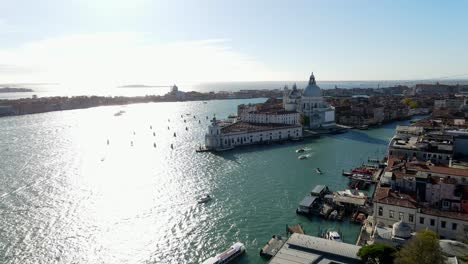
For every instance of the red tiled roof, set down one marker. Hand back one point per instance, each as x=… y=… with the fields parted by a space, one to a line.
x=448 y=214
x=242 y=126
x=422 y=166
x=386 y=196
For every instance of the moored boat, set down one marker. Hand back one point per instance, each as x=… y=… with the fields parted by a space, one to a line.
x=300 y=150
x=333 y=235
x=227 y=256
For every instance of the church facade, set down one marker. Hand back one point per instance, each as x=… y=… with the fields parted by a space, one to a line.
x=315 y=111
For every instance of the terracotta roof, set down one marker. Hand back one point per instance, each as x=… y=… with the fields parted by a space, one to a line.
x=386 y=196
x=242 y=126
x=447 y=214
x=422 y=166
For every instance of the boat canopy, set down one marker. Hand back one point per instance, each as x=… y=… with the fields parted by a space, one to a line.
x=318 y=190
x=308 y=201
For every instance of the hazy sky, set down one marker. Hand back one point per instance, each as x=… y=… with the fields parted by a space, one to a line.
x=152 y=42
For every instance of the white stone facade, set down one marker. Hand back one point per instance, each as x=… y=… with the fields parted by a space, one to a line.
x=242 y=133
x=284 y=117
x=446 y=227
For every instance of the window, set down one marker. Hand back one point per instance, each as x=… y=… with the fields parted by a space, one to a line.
x=400 y=215
x=454 y=226
x=421 y=220
x=380 y=211
x=443 y=224
x=432 y=222
x=411 y=218
x=391 y=214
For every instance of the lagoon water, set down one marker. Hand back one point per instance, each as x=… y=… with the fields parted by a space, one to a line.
x=66 y=196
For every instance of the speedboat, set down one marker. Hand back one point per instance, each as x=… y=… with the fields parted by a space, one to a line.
x=227 y=256
x=333 y=235
x=318 y=171
x=204 y=199
x=300 y=150
x=301 y=157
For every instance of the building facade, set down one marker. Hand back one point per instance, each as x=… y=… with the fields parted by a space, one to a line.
x=224 y=136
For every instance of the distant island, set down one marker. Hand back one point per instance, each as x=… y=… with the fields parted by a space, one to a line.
x=142 y=86
x=15 y=90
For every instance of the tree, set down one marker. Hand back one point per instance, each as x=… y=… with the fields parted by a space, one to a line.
x=423 y=248
x=377 y=253
x=410 y=102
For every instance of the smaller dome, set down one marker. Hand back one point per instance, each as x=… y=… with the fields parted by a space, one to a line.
x=294 y=93
x=401 y=230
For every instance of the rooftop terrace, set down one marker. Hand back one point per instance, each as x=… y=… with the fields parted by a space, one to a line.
x=242 y=126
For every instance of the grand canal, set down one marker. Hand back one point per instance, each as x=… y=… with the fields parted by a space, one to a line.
x=86 y=186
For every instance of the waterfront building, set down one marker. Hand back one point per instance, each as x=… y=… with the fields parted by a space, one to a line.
x=411 y=142
x=391 y=206
x=222 y=135
x=270 y=112
x=316 y=112
x=6 y=110
x=272 y=117
x=309 y=249
x=423 y=194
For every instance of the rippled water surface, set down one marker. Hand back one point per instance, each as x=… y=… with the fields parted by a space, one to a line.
x=66 y=196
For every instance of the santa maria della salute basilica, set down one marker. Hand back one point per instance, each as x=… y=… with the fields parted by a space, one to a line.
x=315 y=111
x=274 y=121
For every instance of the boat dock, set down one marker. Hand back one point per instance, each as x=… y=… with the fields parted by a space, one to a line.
x=272 y=246
x=276 y=242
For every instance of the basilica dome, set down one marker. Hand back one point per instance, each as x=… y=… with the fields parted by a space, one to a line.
x=312 y=90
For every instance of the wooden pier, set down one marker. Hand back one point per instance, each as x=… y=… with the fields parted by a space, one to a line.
x=276 y=242
x=272 y=246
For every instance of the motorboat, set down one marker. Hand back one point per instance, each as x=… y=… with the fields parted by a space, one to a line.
x=300 y=150
x=301 y=157
x=204 y=199
x=227 y=256
x=333 y=235
x=318 y=171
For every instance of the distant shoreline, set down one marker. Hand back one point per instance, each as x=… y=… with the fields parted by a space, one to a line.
x=143 y=86
x=15 y=90
x=26 y=106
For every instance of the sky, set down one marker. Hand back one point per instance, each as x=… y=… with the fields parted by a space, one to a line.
x=118 y=42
